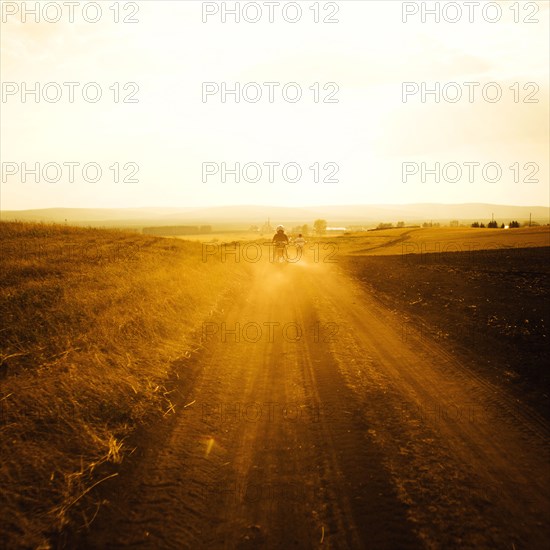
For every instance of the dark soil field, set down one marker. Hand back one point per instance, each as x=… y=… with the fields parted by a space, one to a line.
x=489 y=306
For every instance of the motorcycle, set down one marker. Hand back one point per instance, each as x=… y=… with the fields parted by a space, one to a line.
x=280 y=256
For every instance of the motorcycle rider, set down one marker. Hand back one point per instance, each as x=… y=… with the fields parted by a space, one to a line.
x=299 y=241
x=280 y=240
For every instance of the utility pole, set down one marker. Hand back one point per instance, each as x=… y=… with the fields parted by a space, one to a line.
x=529 y=219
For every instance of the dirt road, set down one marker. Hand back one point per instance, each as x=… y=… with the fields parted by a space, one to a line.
x=324 y=422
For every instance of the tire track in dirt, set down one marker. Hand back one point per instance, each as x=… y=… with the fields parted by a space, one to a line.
x=405 y=236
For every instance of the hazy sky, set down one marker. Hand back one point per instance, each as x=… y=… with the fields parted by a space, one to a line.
x=367 y=135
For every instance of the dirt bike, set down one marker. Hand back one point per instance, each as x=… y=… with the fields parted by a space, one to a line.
x=280 y=254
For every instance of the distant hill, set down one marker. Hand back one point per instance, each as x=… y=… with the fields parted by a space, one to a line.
x=245 y=215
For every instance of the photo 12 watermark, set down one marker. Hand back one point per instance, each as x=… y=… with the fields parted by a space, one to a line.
x=460 y=252
x=469 y=172
x=269 y=92
x=45 y=251
x=69 y=172
x=470 y=12
x=12 y=412
x=270 y=494
x=270 y=12
x=269 y=332
x=468 y=92
x=254 y=252
x=457 y=411
x=269 y=172
x=69 y=92
x=256 y=412
x=69 y=12
x=419 y=331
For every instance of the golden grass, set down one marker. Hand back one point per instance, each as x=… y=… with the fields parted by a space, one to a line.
x=93 y=322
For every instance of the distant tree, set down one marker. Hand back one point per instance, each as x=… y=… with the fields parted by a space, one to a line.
x=492 y=224
x=514 y=224
x=453 y=223
x=320 y=226
x=383 y=225
x=400 y=224
x=305 y=229
x=475 y=224
x=481 y=225
x=502 y=226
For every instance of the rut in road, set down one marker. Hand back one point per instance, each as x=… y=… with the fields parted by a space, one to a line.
x=318 y=441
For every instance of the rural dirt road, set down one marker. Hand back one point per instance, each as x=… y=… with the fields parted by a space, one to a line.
x=358 y=434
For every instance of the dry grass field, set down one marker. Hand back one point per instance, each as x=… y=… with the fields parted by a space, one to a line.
x=94 y=324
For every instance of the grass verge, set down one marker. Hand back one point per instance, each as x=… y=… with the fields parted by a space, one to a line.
x=93 y=321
